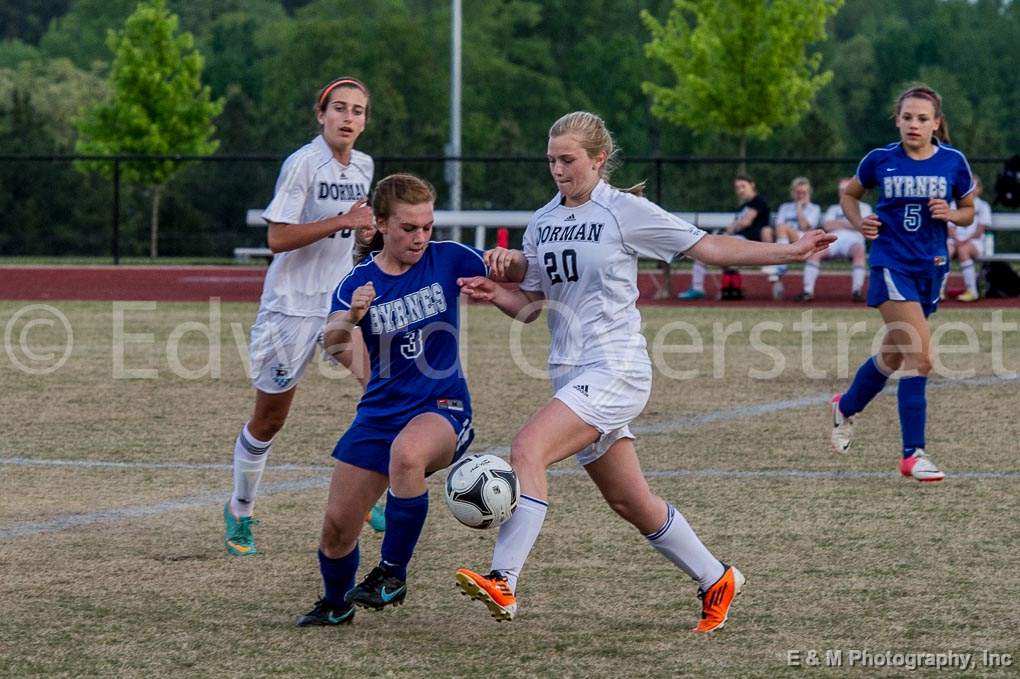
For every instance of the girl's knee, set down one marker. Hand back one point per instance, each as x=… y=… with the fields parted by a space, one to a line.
x=525 y=454
x=404 y=461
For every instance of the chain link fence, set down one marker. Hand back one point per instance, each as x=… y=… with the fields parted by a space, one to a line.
x=50 y=208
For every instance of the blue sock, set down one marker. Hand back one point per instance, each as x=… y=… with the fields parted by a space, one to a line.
x=913 y=408
x=338 y=576
x=405 y=517
x=868 y=381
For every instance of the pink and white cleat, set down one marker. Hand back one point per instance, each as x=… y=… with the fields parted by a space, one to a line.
x=920 y=467
x=842 y=427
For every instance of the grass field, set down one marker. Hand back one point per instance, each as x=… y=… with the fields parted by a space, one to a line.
x=111 y=490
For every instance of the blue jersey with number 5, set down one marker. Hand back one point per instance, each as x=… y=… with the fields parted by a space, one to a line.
x=911 y=240
x=412 y=329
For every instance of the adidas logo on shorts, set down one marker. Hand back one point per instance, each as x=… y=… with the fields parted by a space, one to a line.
x=281 y=375
x=583 y=388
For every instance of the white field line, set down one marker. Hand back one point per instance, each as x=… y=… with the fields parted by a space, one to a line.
x=661 y=427
x=111 y=515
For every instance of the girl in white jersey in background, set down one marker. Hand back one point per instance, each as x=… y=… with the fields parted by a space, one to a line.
x=582 y=250
x=967 y=243
x=319 y=209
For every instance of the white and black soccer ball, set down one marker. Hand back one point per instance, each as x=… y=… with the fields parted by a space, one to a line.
x=482 y=491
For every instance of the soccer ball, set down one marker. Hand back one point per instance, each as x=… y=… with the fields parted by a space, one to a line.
x=482 y=491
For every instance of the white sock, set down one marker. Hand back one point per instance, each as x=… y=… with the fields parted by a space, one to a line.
x=811 y=271
x=249 y=460
x=698 y=277
x=516 y=538
x=969 y=276
x=677 y=542
x=782 y=240
x=857 y=278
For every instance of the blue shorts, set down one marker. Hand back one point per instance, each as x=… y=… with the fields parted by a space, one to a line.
x=925 y=289
x=367 y=442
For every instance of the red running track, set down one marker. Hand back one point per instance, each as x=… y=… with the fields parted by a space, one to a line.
x=244 y=284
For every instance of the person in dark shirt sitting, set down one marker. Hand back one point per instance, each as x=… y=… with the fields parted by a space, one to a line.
x=752 y=222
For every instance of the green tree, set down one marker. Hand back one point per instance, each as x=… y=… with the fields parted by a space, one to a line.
x=80 y=34
x=27 y=19
x=158 y=104
x=741 y=66
x=56 y=86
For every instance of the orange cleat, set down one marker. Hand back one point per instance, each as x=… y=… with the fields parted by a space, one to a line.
x=492 y=590
x=715 y=603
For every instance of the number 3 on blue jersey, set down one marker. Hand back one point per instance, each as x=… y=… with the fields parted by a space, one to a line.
x=411 y=344
x=912 y=217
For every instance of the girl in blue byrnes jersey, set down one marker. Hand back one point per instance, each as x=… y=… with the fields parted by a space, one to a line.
x=916 y=178
x=415 y=415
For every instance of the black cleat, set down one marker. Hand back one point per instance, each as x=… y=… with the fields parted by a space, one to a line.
x=804 y=297
x=378 y=590
x=856 y=296
x=326 y=614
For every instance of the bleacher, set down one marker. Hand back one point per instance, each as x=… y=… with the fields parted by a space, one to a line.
x=455 y=223
x=253 y=218
x=1001 y=221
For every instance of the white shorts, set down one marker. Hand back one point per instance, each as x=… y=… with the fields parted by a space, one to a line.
x=282 y=346
x=979 y=245
x=605 y=397
x=845 y=239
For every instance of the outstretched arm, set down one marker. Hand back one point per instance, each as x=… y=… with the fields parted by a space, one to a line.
x=519 y=304
x=506 y=266
x=729 y=251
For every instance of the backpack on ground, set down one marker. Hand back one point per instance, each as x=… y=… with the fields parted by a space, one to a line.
x=732 y=285
x=1000 y=280
x=1007 y=184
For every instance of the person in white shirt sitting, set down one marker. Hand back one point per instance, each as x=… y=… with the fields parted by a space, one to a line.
x=967 y=243
x=849 y=244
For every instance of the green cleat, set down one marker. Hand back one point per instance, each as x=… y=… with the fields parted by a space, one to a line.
x=377 y=518
x=326 y=615
x=237 y=533
x=690 y=295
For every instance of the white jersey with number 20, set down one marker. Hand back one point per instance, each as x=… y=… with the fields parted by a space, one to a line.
x=584 y=260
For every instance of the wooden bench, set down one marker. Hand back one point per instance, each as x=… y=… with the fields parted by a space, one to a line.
x=518 y=219
x=1001 y=221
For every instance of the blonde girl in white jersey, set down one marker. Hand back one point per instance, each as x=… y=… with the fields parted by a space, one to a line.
x=582 y=250
x=319 y=211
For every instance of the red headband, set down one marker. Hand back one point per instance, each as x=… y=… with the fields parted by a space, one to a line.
x=337 y=83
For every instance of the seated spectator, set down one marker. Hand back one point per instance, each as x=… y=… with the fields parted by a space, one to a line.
x=751 y=223
x=849 y=243
x=792 y=219
x=966 y=243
